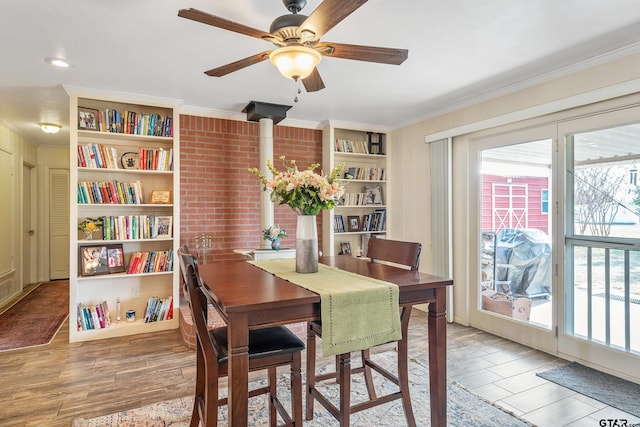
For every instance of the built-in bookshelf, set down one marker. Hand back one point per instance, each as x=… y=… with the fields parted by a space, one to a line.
x=124 y=216
x=362 y=212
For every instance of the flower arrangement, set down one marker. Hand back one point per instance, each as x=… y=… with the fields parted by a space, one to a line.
x=273 y=233
x=306 y=192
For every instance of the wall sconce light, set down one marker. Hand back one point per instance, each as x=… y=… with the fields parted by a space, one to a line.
x=49 y=127
x=295 y=62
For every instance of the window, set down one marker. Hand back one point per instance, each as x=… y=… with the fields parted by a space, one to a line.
x=544 y=201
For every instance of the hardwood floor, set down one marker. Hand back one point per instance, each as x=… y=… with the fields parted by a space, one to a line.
x=53 y=385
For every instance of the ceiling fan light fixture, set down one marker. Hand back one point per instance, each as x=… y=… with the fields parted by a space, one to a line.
x=295 y=62
x=49 y=127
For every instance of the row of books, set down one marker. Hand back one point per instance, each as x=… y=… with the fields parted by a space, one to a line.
x=366 y=174
x=110 y=192
x=93 y=316
x=150 y=262
x=347 y=146
x=134 y=227
x=353 y=199
x=158 y=309
x=156 y=159
x=133 y=123
x=375 y=221
x=100 y=156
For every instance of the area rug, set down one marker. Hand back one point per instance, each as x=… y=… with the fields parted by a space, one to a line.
x=36 y=318
x=464 y=408
x=613 y=391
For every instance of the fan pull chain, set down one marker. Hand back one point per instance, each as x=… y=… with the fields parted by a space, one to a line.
x=297 y=88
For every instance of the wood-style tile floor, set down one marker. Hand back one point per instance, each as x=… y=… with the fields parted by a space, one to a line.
x=53 y=385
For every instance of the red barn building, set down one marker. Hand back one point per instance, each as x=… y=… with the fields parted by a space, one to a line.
x=515 y=202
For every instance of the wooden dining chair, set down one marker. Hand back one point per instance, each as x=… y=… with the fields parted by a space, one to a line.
x=398 y=253
x=269 y=348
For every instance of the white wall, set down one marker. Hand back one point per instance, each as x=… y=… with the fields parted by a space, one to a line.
x=409 y=193
x=14 y=152
x=410 y=154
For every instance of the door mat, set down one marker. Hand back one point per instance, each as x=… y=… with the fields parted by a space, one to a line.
x=36 y=318
x=613 y=391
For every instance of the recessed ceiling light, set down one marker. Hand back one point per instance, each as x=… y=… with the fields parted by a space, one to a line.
x=49 y=127
x=58 y=62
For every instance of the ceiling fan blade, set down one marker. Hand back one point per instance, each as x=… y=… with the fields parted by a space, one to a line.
x=328 y=14
x=225 y=24
x=382 y=55
x=238 y=65
x=313 y=82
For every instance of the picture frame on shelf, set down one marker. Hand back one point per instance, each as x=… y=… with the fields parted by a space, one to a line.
x=345 y=248
x=351 y=173
x=115 y=258
x=353 y=223
x=93 y=260
x=373 y=194
x=88 y=118
x=162 y=197
x=163 y=228
x=130 y=160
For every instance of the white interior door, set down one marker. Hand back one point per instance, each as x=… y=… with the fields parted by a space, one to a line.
x=28 y=232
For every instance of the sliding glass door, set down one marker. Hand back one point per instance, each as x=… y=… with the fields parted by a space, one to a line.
x=514 y=293
x=549 y=241
x=602 y=241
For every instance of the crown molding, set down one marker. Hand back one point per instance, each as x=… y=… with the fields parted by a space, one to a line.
x=525 y=84
x=126 y=97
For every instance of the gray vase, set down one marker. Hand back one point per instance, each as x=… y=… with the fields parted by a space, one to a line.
x=307 y=244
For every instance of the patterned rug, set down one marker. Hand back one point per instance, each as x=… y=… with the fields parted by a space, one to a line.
x=613 y=391
x=464 y=407
x=36 y=318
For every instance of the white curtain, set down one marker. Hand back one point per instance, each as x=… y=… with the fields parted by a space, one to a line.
x=441 y=232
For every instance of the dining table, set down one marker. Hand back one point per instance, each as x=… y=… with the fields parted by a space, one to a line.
x=248 y=297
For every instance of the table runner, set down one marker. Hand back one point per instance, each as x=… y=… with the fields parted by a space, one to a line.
x=357 y=312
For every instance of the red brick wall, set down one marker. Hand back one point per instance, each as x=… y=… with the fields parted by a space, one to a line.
x=218 y=196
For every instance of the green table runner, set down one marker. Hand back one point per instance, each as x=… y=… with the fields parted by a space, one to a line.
x=357 y=312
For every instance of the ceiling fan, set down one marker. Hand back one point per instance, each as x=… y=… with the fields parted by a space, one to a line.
x=297 y=38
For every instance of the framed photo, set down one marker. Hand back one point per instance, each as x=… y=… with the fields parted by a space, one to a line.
x=115 y=258
x=345 y=248
x=354 y=223
x=373 y=194
x=93 y=260
x=163 y=227
x=87 y=118
x=161 y=196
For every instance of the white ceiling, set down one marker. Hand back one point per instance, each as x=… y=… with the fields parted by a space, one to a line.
x=460 y=51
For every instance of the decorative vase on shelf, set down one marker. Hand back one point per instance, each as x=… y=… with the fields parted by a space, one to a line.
x=275 y=244
x=307 y=244
x=88 y=235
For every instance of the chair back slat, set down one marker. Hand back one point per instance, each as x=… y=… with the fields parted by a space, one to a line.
x=198 y=303
x=182 y=251
x=395 y=251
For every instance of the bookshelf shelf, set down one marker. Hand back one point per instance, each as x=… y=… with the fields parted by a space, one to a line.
x=112 y=178
x=120 y=276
